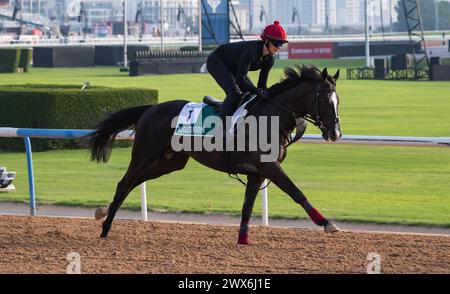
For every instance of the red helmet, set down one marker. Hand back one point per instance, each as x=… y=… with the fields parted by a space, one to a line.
x=274 y=32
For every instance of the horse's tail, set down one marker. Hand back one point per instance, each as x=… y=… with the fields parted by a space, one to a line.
x=102 y=139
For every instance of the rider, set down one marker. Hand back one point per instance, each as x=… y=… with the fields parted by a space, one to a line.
x=230 y=63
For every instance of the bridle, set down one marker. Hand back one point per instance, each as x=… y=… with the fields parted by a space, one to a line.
x=313 y=118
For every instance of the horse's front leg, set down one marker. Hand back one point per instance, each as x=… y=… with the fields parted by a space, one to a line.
x=274 y=172
x=253 y=184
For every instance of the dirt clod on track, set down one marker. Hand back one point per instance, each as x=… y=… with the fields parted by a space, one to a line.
x=41 y=245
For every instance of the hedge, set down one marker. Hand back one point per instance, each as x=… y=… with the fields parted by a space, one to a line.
x=62 y=107
x=9 y=60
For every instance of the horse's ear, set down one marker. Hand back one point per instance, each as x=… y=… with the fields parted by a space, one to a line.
x=336 y=75
x=324 y=74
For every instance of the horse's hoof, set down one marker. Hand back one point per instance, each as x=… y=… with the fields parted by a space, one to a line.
x=331 y=228
x=101 y=213
x=243 y=240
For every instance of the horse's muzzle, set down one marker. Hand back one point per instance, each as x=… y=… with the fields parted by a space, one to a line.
x=335 y=136
x=332 y=135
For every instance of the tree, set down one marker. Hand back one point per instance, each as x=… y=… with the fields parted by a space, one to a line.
x=428 y=15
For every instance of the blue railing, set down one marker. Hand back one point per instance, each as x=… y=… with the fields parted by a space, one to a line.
x=26 y=134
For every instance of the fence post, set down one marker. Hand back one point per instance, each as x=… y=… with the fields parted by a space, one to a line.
x=265 y=205
x=30 y=176
x=143 y=201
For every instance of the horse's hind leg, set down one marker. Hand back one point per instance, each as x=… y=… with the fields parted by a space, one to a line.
x=137 y=174
x=124 y=187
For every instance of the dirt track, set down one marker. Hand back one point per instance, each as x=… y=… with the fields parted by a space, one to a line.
x=41 y=245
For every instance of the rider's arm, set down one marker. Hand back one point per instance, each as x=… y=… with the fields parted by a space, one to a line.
x=242 y=80
x=264 y=73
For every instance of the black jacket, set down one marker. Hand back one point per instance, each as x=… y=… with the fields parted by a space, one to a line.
x=242 y=57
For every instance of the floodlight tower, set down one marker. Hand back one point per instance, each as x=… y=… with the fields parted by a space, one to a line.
x=413 y=19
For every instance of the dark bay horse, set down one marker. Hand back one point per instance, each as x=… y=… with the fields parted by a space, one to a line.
x=304 y=93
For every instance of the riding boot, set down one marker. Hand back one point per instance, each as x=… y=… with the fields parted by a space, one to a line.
x=228 y=107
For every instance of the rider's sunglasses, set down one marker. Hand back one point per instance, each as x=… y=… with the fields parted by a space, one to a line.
x=277 y=43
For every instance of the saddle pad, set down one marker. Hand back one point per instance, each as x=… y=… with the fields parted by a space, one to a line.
x=193 y=115
x=191 y=120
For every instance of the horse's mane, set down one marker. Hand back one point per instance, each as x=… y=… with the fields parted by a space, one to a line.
x=294 y=76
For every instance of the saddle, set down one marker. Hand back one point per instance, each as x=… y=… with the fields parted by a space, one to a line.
x=216 y=104
x=300 y=122
x=213 y=102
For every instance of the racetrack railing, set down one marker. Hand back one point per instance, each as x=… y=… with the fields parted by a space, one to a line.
x=26 y=134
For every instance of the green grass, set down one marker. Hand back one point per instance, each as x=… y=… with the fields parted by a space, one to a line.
x=445 y=61
x=394 y=108
x=407 y=185
x=404 y=185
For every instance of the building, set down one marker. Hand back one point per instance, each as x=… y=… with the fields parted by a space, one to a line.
x=325 y=13
x=181 y=16
x=347 y=13
x=242 y=15
x=374 y=12
x=259 y=14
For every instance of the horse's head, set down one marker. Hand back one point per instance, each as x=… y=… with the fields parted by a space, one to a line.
x=324 y=107
x=310 y=93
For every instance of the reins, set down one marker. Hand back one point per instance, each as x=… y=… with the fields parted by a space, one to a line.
x=314 y=119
